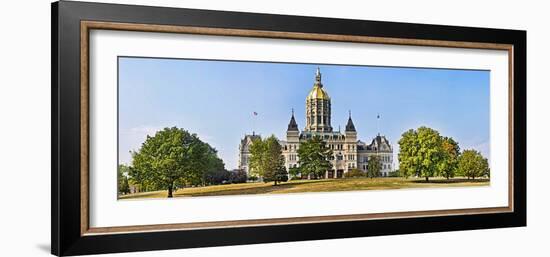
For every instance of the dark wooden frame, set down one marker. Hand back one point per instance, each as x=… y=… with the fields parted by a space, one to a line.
x=71 y=22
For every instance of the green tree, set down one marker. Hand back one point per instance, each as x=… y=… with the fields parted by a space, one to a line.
x=214 y=172
x=409 y=162
x=449 y=160
x=420 y=153
x=252 y=177
x=139 y=179
x=472 y=164
x=267 y=160
x=279 y=175
x=171 y=159
x=314 y=157
x=122 y=178
x=294 y=172
x=374 y=165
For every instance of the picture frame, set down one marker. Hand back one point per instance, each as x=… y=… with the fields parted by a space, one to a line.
x=70 y=212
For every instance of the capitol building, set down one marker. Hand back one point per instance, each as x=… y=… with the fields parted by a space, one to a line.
x=348 y=151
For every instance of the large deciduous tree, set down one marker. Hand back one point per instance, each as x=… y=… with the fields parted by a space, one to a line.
x=171 y=159
x=215 y=172
x=425 y=153
x=420 y=152
x=409 y=161
x=267 y=160
x=374 y=165
x=449 y=160
x=472 y=164
x=314 y=156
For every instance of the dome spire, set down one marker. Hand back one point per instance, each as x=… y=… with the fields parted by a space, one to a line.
x=318 y=77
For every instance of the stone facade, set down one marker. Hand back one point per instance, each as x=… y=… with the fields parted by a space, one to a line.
x=244 y=152
x=349 y=152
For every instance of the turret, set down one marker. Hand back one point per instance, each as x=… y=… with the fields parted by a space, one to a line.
x=350 y=132
x=292 y=125
x=350 y=127
x=351 y=144
x=292 y=132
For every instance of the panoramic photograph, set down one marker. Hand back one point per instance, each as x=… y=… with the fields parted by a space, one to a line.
x=190 y=128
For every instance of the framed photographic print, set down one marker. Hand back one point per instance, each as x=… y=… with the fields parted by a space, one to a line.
x=178 y=128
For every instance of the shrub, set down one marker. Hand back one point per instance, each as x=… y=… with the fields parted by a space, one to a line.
x=237 y=177
x=394 y=173
x=216 y=177
x=355 y=173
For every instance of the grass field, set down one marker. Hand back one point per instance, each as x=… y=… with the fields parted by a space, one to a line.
x=301 y=186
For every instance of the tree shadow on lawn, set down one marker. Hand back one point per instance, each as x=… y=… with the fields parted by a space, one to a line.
x=451 y=181
x=264 y=189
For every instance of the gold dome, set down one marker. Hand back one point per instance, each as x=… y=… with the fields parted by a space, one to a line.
x=318 y=93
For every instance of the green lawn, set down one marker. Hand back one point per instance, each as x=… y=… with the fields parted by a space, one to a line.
x=324 y=185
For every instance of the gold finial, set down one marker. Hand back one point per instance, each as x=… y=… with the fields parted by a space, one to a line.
x=318 y=76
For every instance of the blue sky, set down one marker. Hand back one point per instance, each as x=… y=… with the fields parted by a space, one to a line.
x=216 y=100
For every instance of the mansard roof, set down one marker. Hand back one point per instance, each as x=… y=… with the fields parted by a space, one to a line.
x=249 y=138
x=361 y=146
x=380 y=143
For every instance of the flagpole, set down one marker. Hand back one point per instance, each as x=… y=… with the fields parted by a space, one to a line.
x=378 y=128
x=378 y=123
x=254 y=115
